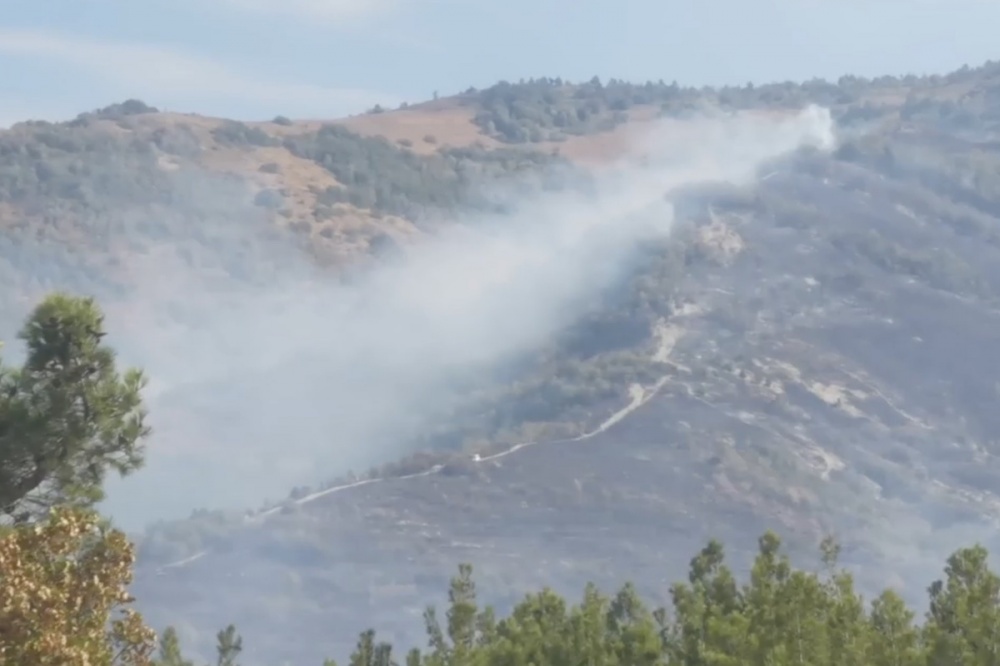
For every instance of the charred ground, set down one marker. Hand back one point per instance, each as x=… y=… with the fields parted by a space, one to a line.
x=815 y=354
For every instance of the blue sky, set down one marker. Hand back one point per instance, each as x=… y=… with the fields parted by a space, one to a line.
x=253 y=59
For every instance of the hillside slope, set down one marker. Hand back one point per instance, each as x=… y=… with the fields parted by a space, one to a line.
x=812 y=353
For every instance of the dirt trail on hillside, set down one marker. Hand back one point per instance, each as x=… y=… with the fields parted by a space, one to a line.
x=666 y=336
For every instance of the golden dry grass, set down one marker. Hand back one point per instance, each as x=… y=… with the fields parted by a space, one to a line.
x=604 y=147
x=423 y=128
x=300 y=181
x=449 y=126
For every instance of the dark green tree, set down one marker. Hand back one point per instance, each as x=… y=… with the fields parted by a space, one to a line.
x=782 y=616
x=632 y=630
x=229 y=645
x=708 y=627
x=68 y=415
x=371 y=653
x=170 y=650
x=963 y=624
x=894 y=639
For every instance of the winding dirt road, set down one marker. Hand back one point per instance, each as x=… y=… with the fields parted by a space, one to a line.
x=666 y=337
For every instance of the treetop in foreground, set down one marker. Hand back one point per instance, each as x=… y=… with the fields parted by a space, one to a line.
x=67 y=415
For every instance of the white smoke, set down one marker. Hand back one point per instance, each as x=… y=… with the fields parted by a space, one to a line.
x=349 y=368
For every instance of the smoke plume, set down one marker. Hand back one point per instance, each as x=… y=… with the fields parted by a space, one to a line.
x=301 y=379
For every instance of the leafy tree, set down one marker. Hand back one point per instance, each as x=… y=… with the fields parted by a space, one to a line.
x=67 y=415
x=63 y=597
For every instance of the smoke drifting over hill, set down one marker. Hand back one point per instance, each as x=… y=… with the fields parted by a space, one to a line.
x=306 y=378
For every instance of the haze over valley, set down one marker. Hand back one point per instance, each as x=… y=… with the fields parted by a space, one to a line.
x=565 y=330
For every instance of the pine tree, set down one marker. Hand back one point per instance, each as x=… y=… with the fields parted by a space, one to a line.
x=894 y=639
x=229 y=645
x=170 y=650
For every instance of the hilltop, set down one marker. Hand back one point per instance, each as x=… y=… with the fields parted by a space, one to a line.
x=94 y=202
x=128 y=180
x=814 y=353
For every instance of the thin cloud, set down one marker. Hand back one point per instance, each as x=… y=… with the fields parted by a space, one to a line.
x=346 y=12
x=342 y=10
x=159 y=74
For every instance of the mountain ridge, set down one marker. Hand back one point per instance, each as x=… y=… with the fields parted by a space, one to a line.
x=807 y=312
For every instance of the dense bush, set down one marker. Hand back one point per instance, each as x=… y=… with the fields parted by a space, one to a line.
x=378 y=175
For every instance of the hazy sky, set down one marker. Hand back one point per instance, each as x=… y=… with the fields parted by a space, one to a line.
x=324 y=58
